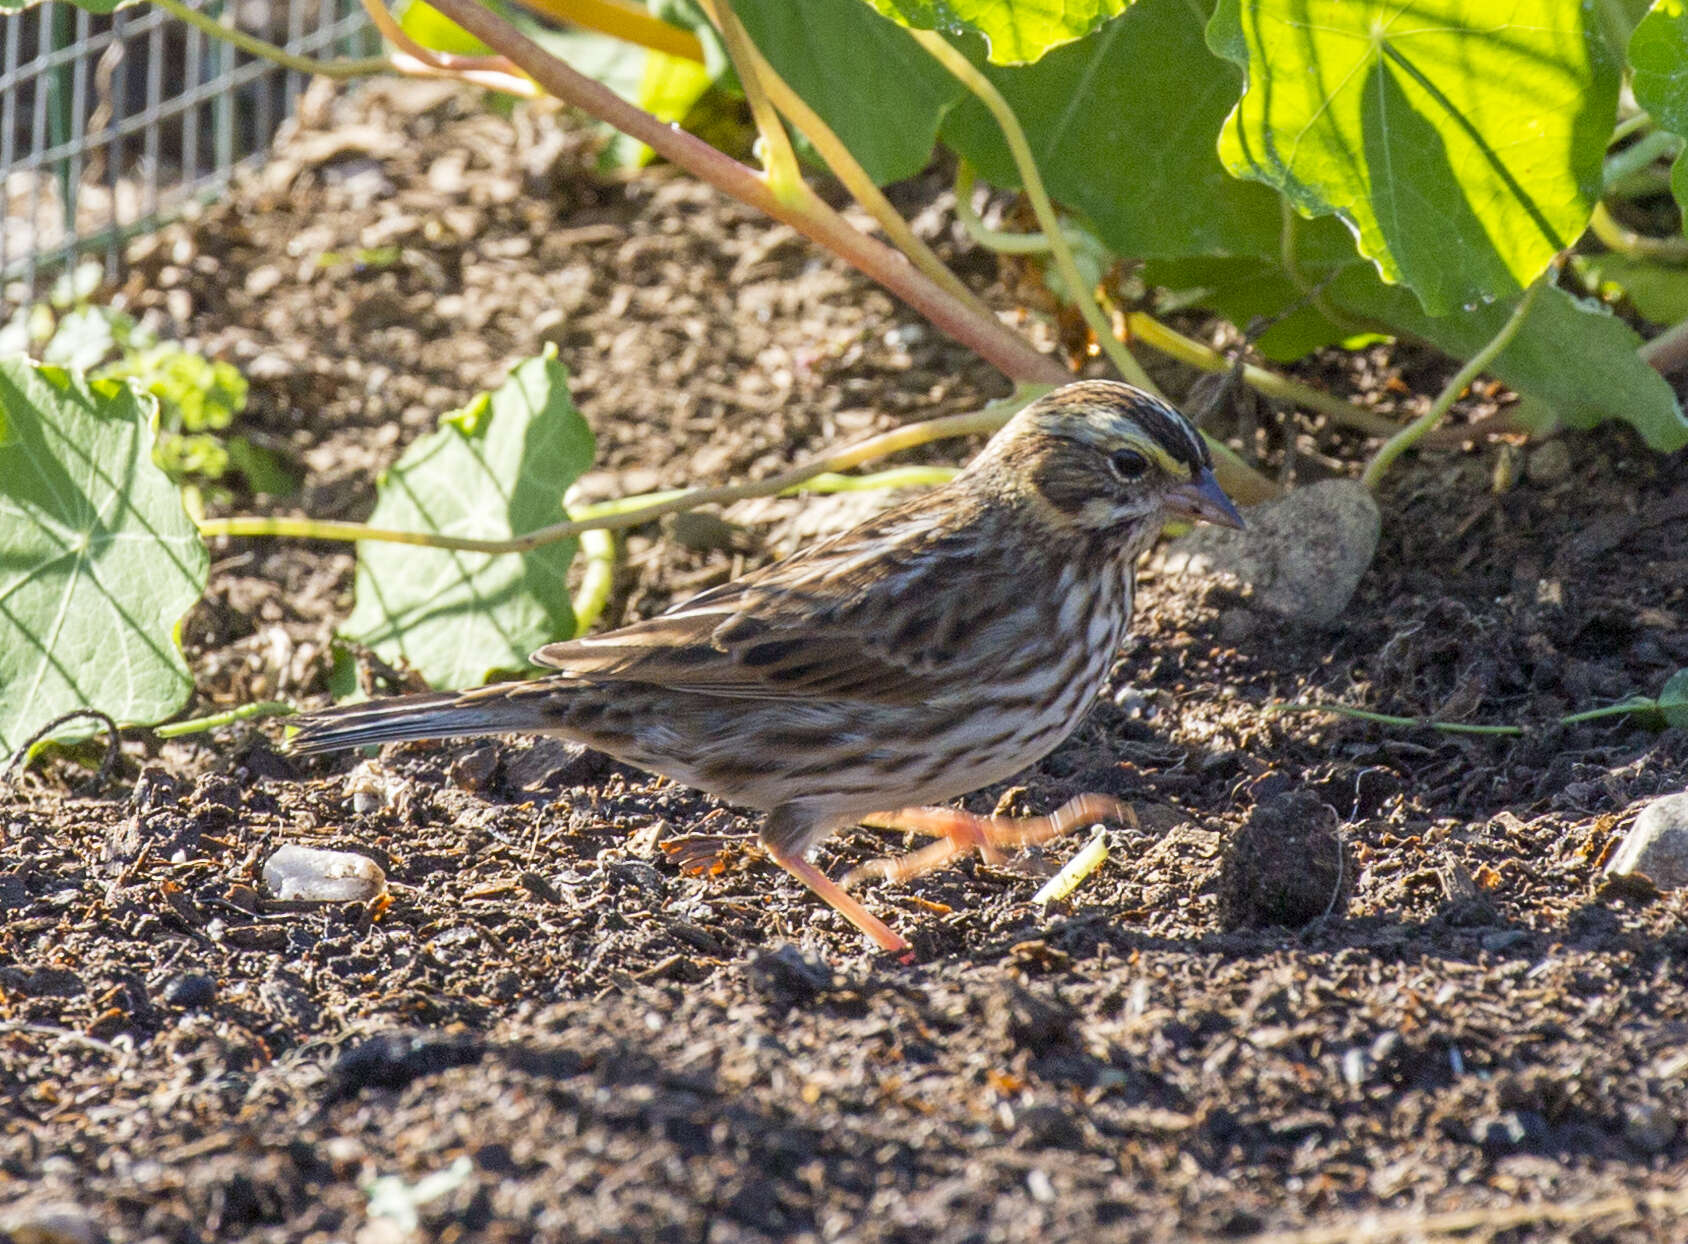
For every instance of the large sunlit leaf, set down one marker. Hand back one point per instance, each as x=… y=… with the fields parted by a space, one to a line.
x=98 y=560
x=1462 y=140
x=1124 y=125
x=1016 y=31
x=497 y=469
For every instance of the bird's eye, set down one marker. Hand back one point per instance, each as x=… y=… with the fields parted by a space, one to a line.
x=1128 y=463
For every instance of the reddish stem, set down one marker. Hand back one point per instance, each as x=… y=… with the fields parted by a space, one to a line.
x=1004 y=349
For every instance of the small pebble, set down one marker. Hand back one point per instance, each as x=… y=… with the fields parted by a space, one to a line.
x=1656 y=846
x=1357 y=1067
x=1548 y=464
x=1040 y=1186
x=474 y=770
x=52 y=1222
x=1649 y=1126
x=315 y=875
x=1236 y=626
x=189 y=991
x=1508 y=1130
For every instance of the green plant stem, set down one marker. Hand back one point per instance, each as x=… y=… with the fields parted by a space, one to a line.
x=246 y=712
x=632 y=511
x=1629 y=125
x=1157 y=336
x=1624 y=708
x=896 y=477
x=1410 y=435
x=597 y=550
x=1639 y=154
x=337 y=69
x=1289 y=255
x=1614 y=15
x=1385 y=719
x=1026 y=163
x=1616 y=237
x=1002 y=241
x=779 y=161
x=1668 y=352
x=854 y=177
x=983 y=334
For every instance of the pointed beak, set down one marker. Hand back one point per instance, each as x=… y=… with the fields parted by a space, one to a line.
x=1203 y=498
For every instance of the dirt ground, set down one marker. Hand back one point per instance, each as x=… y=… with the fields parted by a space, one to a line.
x=553 y=1033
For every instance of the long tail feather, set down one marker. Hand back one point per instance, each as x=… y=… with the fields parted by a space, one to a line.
x=438 y=715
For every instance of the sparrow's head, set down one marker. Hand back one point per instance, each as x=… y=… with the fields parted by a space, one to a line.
x=1100 y=457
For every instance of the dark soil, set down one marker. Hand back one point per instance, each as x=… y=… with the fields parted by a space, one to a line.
x=553 y=1032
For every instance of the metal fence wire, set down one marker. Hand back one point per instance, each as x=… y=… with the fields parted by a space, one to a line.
x=110 y=125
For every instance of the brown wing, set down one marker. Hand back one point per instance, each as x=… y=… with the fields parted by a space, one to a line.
x=878 y=613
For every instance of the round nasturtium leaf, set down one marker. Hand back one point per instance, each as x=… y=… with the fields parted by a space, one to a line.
x=1461 y=140
x=98 y=559
x=497 y=468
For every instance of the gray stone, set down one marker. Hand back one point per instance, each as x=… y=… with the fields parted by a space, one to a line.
x=1549 y=464
x=51 y=1222
x=1302 y=554
x=1649 y=1126
x=1656 y=845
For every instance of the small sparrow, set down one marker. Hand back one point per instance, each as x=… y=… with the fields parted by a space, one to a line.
x=944 y=645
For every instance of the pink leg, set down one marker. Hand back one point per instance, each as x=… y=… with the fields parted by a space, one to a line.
x=960 y=832
x=830 y=892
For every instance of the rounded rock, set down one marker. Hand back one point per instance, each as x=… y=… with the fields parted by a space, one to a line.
x=1286 y=866
x=1302 y=555
x=1656 y=845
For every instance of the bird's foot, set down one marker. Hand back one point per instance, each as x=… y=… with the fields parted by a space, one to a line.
x=960 y=832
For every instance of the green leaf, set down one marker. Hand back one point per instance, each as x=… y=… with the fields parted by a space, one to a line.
x=1016 y=31
x=197 y=394
x=1462 y=140
x=1125 y=124
x=878 y=89
x=98 y=559
x=670 y=86
x=1571 y=357
x=459 y=618
x=1658 y=58
x=1673 y=700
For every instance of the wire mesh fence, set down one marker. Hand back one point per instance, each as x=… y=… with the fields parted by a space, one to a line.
x=111 y=124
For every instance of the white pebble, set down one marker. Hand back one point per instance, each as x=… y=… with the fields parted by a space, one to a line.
x=313 y=875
